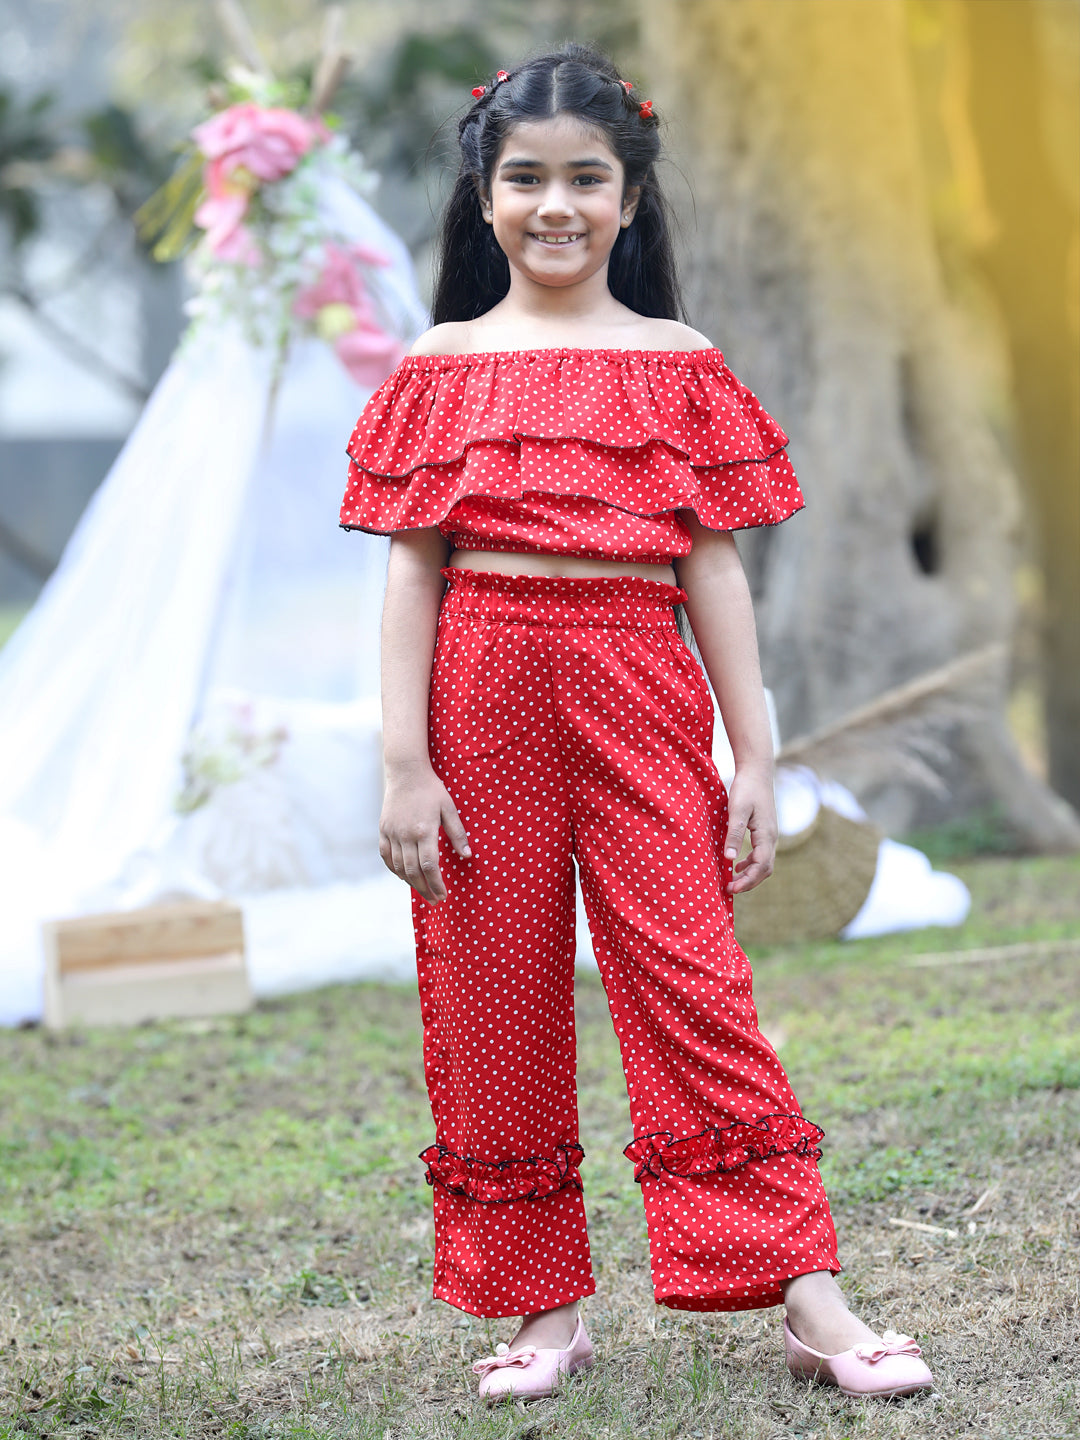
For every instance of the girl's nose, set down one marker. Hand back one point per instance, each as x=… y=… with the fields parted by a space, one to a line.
x=556 y=200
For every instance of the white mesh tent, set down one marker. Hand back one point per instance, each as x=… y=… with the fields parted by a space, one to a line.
x=208 y=598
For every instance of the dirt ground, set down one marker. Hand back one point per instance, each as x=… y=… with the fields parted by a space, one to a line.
x=219 y=1228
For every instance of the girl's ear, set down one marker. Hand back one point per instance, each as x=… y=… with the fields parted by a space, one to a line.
x=485 y=202
x=630 y=203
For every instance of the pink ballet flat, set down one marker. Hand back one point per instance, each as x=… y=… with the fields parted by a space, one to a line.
x=528 y=1373
x=890 y=1367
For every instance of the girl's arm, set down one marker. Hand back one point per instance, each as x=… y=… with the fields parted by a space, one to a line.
x=415 y=801
x=721 y=615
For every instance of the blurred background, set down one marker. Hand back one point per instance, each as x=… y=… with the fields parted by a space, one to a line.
x=879 y=224
x=214 y=1223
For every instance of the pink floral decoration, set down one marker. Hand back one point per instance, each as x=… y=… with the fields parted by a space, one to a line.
x=340 y=281
x=341 y=308
x=368 y=355
x=264 y=140
x=245 y=146
x=221 y=215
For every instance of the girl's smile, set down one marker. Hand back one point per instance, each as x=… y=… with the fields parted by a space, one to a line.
x=557 y=202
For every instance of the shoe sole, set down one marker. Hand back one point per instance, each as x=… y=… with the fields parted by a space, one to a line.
x=860 y=1394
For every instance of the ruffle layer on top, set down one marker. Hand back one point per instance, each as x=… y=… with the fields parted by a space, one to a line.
x=499 y=1182
x=722 y=1148
x=647 y=431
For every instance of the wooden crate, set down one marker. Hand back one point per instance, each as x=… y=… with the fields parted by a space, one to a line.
x=184 y=959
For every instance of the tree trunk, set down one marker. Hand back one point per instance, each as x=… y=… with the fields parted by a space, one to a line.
x=812 y=265
x=1023 y=122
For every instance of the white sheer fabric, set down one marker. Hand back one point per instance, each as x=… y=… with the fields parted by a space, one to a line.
x=99 y=684
x=207 y=580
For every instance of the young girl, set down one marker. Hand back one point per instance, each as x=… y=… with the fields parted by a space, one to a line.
x=560 y=462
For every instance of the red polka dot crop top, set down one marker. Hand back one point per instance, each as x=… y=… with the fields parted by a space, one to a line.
x=568 y=452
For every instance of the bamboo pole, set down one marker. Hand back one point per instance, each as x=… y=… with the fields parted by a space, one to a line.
x=241 y=37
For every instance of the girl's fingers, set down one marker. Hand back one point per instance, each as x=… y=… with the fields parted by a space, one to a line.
x=455 y=830
x=401 y=865
x=414 y=874
x=736 y=830
x=416 y=861
x=432 y=887
x=757 y=866
x=753 y=873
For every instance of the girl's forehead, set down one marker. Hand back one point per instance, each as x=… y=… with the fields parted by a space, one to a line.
x=560 y=138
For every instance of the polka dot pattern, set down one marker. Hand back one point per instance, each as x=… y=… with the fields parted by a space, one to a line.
x=578 y=452
x=571 y=725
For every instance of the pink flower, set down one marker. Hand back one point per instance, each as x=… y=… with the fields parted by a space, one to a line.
x=339 y=305
x=222 y=213
x=245 y=146
x=266 y=141
x=369 y=355
x=239 y=246
x=340 y=282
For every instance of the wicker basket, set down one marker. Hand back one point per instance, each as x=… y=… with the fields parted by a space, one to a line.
x=820 y=879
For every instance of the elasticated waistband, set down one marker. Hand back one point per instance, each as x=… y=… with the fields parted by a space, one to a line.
x=571 y=600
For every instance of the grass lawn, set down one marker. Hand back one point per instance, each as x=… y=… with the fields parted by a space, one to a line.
x=220 y=1228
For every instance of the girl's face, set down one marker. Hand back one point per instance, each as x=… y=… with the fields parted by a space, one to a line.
x=556 y=201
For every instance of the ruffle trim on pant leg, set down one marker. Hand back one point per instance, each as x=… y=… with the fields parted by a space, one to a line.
x=500 y=1182
x=721 y=1148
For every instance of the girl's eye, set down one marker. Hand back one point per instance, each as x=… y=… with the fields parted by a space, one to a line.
x=531 y=179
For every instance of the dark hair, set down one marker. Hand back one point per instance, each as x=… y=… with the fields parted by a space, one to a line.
x=471 y=272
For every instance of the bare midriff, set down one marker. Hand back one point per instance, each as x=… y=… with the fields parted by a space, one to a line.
x=517 y=562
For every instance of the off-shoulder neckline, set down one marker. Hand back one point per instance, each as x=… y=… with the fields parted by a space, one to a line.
x=561 y=352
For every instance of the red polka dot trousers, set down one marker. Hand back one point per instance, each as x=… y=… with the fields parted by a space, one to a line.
x=570 y=723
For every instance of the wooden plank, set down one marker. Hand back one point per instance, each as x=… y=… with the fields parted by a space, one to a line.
x=130 y=994
x=198 y=967
x=144 y=937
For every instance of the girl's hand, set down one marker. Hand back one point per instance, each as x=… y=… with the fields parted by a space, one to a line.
x=751 y=803
x=416 y=802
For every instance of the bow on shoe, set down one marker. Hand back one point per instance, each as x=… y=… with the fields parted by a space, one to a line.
x=891 y=1344
x=504 y=1358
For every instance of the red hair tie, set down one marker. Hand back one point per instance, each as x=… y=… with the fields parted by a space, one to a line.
x=645 y=109
x=627 y=85
x=500 y=76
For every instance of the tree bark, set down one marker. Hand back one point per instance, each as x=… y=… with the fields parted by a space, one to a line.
x=812 y=265
x=1028 y=265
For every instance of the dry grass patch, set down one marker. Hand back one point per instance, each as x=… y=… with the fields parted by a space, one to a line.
x=220 y=1229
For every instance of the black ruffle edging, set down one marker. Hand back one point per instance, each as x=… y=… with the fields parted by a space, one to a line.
x=722 y=1148
x=500 y=1182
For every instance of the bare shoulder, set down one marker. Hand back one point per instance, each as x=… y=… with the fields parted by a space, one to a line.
x=450 y=338
x=673 y=335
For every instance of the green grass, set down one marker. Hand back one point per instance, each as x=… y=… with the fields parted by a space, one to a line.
x=984 y=832
x=220 y=1228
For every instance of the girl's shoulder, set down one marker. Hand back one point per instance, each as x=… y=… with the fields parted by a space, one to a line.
x=463 y=337
x=674 y=335
x=450 y=338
